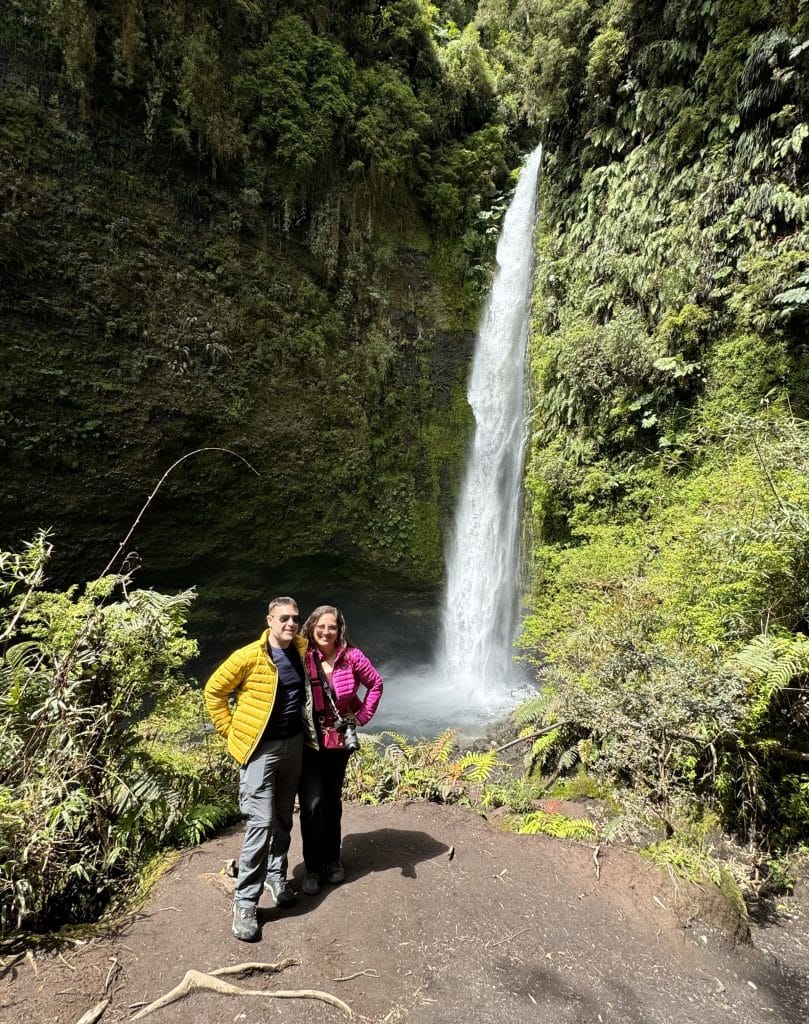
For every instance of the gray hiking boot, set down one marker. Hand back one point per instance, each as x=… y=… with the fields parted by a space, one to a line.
x=245 y=922
x=311 y=883
x=335 y=873
x=281 y=891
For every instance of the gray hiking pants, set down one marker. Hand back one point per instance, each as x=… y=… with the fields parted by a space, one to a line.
x=267 y=785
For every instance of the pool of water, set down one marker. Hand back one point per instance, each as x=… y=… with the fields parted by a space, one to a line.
x=418 y=702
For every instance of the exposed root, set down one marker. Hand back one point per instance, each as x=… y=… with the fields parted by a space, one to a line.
x=95 y=1013
x=250 y=968
x=196 y=979
x=112 y=974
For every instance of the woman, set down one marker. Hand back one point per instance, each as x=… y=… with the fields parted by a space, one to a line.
x=333 y=663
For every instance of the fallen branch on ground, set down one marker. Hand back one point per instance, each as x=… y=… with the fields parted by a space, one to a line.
x=196 y=979
x=95 y=1013
x=250 y=967
x=369 y=972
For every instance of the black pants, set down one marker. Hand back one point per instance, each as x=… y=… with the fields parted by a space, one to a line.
x=319 y=794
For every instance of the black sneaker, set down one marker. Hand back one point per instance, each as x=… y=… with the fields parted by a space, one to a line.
x=245 y=923
x=335 y=873
x=311 y=883
x=281 y=891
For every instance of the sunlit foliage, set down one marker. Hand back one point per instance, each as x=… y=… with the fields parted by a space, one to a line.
x=667 y=469
x=104 y=758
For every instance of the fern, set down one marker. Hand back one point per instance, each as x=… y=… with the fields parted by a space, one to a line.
x=80 y=695
x=201 y=820
x=399 y=739
x=396 y=755
x=475 y=766
x=439 y=750
x=557 y=825
x=568 y=760
x=517 y=794
x=771 y=663
x=534 y=711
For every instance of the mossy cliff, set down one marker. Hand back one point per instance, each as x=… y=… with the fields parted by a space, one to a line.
x=267 y=226
x=253 y=226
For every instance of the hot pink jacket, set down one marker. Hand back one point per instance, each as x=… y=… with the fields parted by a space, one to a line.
x=351 y=671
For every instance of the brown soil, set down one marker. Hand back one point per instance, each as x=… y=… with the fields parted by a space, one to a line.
x=443 y=918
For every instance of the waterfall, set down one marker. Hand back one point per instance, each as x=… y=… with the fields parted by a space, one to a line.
x=473 y=678
x=480 y=613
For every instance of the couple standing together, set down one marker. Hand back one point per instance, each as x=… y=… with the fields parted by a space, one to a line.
x=286 y=688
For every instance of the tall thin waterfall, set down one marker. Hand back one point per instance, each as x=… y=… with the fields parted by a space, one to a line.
x=479 y=619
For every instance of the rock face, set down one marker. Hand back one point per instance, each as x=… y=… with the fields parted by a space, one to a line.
x=138 y=333
x=165 y=290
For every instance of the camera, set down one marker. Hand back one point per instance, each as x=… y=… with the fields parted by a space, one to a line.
x=349 y=728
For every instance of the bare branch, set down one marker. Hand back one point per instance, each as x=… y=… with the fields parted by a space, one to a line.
x=159 y=484
x=531 y=736
x=95 y=1013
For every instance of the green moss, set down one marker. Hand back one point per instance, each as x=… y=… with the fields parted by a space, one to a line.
x=697 y=866
x=742 y=370
x=250 y=258
x=580 y=786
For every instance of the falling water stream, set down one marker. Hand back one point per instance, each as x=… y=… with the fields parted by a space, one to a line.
x=479 y=617
x=474 y=679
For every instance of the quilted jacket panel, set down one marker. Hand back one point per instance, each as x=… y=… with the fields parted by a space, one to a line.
x=250 y=677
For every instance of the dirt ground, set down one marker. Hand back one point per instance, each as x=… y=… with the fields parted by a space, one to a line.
x=443 y=918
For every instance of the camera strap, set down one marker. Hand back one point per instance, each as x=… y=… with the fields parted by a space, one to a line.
x=329 y=696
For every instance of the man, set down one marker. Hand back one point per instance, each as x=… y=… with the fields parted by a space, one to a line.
x=266 y=728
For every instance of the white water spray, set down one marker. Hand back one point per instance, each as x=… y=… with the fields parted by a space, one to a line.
x=480 y=611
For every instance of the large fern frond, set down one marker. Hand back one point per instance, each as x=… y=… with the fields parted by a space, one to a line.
x=475 y=766
x=568 y=759
x=439 y=750
x=533 y=711
x=557 y=825
x=770 y=663
x=399 y=739
x=779 y=658
x=540 y=750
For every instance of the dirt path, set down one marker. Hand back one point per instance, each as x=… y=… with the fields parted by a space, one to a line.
x=443 y=919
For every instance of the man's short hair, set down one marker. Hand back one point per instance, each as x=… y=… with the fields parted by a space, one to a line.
x=277 y=601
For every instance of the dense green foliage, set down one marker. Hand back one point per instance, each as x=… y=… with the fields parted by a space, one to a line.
x=667 y=493
x=103 y=756
x=263 y=226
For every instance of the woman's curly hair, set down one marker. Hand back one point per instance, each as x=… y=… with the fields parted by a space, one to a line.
x=307 y=629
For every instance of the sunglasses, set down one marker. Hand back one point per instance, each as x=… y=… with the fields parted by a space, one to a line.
x=286 y=618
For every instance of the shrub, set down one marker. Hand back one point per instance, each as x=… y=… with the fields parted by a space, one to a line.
x=392 y=767
x=103 y=759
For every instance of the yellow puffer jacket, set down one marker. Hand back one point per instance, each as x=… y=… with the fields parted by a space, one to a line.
x=250 y=676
